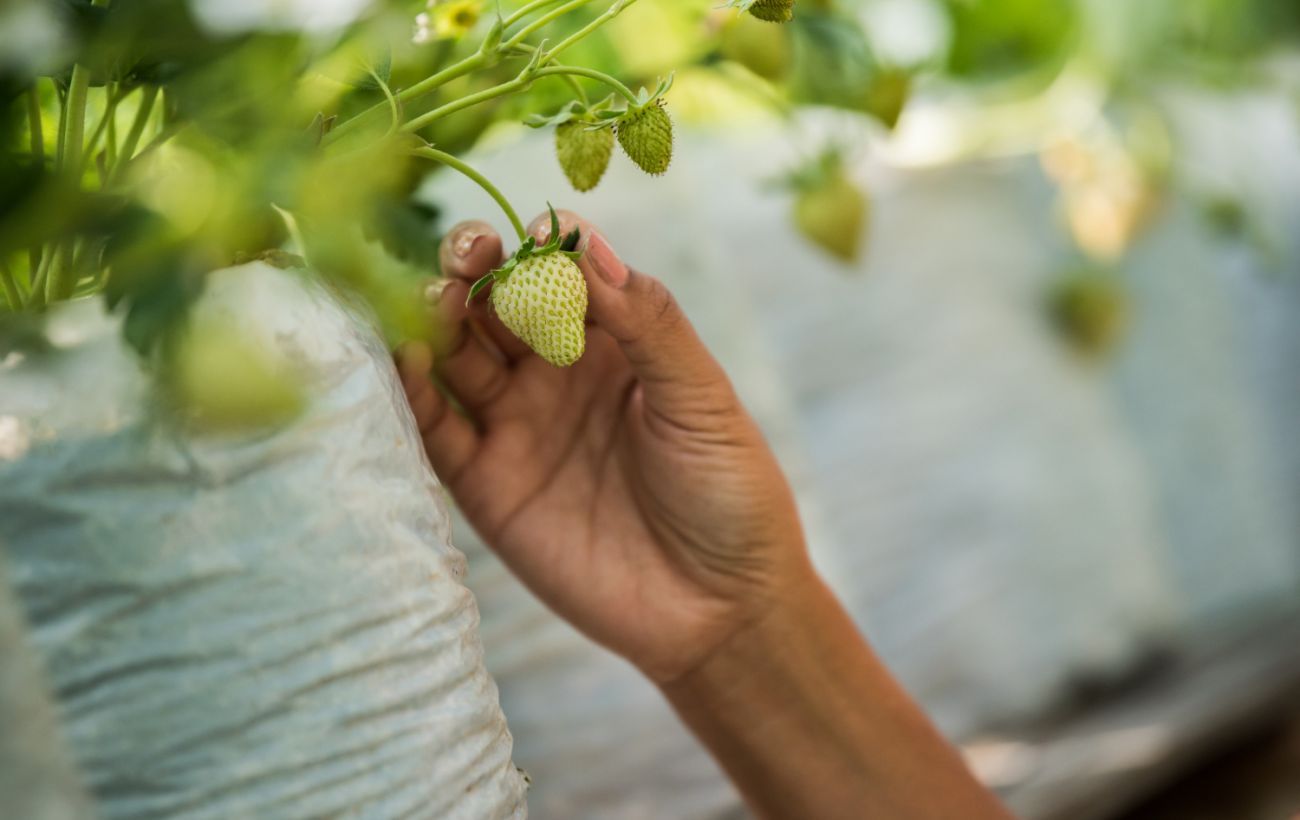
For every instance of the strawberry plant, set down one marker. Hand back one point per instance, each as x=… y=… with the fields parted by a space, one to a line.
x=144 y=143
x=162 y=140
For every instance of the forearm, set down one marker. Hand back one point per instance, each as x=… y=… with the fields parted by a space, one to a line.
x=809 y=724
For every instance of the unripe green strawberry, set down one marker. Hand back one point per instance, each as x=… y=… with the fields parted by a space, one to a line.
x=764 y=50
x=543 y=301
x=887 y=95
x=583 y=153
x=1091 y=311
x=773 y=11
x=646 y=135
x=221 y=379
x=831 y=213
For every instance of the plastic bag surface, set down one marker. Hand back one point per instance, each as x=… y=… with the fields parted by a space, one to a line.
x=269 y=625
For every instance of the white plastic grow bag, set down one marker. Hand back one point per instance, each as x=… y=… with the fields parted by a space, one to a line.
x=268 y=625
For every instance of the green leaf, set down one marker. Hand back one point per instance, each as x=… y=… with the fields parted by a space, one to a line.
x=572 y=110
x=570 y=242
x=482 y=283
x=377 y=71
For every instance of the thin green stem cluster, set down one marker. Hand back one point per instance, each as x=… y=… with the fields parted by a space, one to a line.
x=537 y=68
x=52 y=270
x=491 y=51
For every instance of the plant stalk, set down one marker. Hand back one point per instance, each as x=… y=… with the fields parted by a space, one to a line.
x=110 y=110
x=34 y=125
x=545 y=19
x=482 y=181
x=609 y=14
x=36 y=131
x=525 y=10
x=483 y=58
x=59 y=284
x=36 y=296
x=147 y=98
x=12 y=293
x=518 y=83
x=591 y=74
x=73 y=129
x=427 y=85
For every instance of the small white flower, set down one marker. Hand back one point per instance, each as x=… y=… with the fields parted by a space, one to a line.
x=423 y=32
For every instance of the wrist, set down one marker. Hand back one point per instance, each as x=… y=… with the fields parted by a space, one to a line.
x=781 y=620
x=808 y=722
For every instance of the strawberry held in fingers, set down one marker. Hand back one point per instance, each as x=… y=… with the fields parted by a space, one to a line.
x=544 y=302
x=540 y=295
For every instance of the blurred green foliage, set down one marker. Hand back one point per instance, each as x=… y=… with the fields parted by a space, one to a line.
x=197 y=139
x=1001 y=37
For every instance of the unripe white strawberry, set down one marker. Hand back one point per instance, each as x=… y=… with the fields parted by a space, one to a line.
x=544 y=302
x=539 y=293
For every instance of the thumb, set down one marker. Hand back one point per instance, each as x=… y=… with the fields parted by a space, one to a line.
x=677 y=372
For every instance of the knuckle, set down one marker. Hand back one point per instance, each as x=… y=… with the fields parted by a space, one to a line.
x=661 y=305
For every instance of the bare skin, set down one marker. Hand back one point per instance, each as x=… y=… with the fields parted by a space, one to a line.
x=636 y=497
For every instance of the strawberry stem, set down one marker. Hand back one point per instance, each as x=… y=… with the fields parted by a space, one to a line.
x=609 y=14
x=591 y=74
x=490 y=54
x=482 y=181
x=517 y=84
x=525 y=10
x=551 y=15
x=427 y=85
x=147 y=97
x=11 y=291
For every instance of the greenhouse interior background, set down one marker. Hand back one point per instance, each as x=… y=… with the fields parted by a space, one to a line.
x=1012 y=288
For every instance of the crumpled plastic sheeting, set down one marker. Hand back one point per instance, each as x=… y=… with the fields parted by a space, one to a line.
x=270 y=625
x=38 y=780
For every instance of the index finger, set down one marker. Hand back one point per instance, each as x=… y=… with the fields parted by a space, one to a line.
x=467 y=253
x=470 y=250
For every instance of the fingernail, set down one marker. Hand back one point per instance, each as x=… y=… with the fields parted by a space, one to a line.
x=463 y=244
x=433 y=291
x=605 y=262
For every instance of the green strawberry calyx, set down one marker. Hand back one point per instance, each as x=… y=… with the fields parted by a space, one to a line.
x=562 y=244
x=814 y=172
x=575 y=111
x=644 y=99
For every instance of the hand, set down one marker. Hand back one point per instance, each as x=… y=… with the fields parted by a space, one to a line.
x=631 y=492
x=636 y=497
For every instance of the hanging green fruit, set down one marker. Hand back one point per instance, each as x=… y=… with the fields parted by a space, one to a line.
x=763 y=49
x=829 y=209
x=887 y=94
x=1090 y=310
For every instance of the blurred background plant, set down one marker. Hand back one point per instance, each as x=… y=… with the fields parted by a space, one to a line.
x=204 y=118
